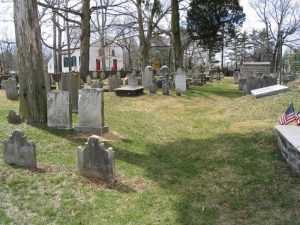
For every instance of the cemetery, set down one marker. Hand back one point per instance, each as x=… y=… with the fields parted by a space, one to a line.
x=149 y=112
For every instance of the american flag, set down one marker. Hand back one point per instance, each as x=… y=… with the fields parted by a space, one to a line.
x=298 y=118
x=289 y=116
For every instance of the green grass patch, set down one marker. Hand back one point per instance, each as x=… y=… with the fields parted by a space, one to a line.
x=207 y=157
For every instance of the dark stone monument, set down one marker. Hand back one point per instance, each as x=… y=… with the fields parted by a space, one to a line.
x=19 y=151
x=95 y=161
x=11 y=89
x=13 y=117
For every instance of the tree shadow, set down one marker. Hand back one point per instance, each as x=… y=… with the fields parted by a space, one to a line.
x=220 y=178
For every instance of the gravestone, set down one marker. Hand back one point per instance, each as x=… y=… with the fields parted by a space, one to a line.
x=147 y=77
x=19 y=151
x=180 y=80
x=13 y=117
x=96 y=161
x=165 y=89
x=11 y=89
x=59 y=110
x=270 y=90
x=97 y=84
x=242 y=82
x=113 y=82
x=71 y=83
x=251 y=84
x=153 y=86
x=91 y=111
x=94 y=75
x=132 y=79
x=178 y=92
x=3 y=84
x=88 y=80
x=102 y=75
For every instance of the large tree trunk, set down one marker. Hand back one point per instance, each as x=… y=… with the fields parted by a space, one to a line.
x=32 y=92
x=85 y=39
x=176 y=41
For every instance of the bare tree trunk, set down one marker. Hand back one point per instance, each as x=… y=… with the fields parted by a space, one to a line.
x=85 y=39
x=175 y=27
x=32 y=91
x=54 y=43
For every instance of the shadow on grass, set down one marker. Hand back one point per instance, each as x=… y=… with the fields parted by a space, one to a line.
x=216 y=90
x=233 y=178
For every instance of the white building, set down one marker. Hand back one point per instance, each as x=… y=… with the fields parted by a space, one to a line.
x=113 y=55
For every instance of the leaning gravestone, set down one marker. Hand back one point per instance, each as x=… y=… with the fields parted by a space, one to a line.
x=91 y=111
x=19 y=151
x=113 y=82
x=153 y=86
x=147 y=77
x=59 y=110
x=13 y=117
x=95 y=161
x=97 y=84
x=180 y=80
x=11 y=89
x=71 y=83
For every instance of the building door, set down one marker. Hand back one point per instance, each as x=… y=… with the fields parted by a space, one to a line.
x=98 y=65
x=115 y=63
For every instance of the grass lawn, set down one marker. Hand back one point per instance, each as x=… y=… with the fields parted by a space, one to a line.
x=207 y=157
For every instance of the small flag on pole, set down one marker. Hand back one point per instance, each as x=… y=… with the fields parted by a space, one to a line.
x=289 y=116
x=298 y=118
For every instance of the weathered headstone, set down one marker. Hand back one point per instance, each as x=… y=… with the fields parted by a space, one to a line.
x=13 y=117
x=19 y=151
x=132 y=80
x=97 y=84
x=165 y=89
x=95 y=161
x=102 y=75
x=88 y=80
x=11 y=89
x=147 y=77
x=270 y=90
x=113 y=82
x=3 y=84
x=94 y=75
x=180 y=80
x=59 y=110
x=153 y=86
x=91 y=111
x=178 y=92
x=71 y=83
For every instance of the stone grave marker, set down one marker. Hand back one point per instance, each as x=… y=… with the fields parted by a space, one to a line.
x=94 y=75
x=113 y=82
x=3 y=84
x=96 y=161
x=153 y=86
x=97 y=84
x=91 y=111
x=59 y=110
x=13 y=117
x=147 y=77
x=11 y=89
x=165 y=89
x=71 y=83
x=270 y=90
x=88 y=80
x=19 y=151
x=180 y=80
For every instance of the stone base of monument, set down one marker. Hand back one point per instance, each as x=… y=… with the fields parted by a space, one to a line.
x=95 y=130
x=288 y=143
x=271 y=90
x=129 y=91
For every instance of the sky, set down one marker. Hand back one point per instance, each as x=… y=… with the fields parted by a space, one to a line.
x=7 y=28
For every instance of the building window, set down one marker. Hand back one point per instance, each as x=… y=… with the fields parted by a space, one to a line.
x=70 y=61
x=113 y=53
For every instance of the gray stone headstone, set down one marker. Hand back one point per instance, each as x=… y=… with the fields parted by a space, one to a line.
x=165 y=90
x=91 y=111
x=164 y=70
x=242 y=82
x=71 y=83
x=95 y=161
x=180 y=80
x=88 y=80
x=19 y=151
x=113 y=82
x=3 y=84
x=13 y=117
x=59 y=110
x=97 y=84
x=102 y=75
x=178 y=92
x=94 y=75
x=147 y=77
x=153 y=87
x=11 y=89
